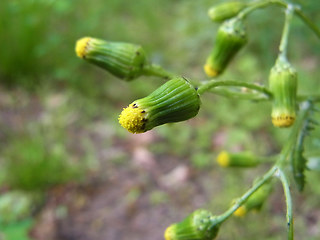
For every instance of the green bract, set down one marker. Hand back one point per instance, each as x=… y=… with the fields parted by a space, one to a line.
x=123 y=60
x=195 y=227
x=230 y=39
x=256 y=200
x=242 y=159
x=176 y=100
x=225 y=11
x=283 y=80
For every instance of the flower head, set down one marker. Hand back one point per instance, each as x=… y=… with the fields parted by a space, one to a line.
x=197 y=226
x=241 y=159
x=176 y=100
x=256 y=200
x=133 y=118
x=81 y=47
x=123 y=60
x=225 y=10
x=283 y=85
x=231 y=37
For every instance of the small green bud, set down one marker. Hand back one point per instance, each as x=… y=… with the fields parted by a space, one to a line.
x=256 y=200
x=242 y=159
x=231 y=37
x=195 y=227
x=123 y=60
x=224 y=11
x=176 y=100
x=283 y=80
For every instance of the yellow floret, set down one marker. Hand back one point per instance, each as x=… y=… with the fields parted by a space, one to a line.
x=81 y=47
x=169 y=233
x=210 y=71
x=283 y=120
x=223 y=159
x=133 y=118
x=240 y=212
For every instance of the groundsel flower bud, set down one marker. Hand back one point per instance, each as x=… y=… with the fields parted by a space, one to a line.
x=195 y=227
x=176 y=100
x=242 y=159
x=283 y=80
x=256 y=200
x=224 y=11
x=123 y=60
x=231 y=37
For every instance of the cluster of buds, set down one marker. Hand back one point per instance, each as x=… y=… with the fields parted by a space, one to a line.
x=199 y=225
x=256 y=200
x=123 y=60
x=242 y=159
x=231 y=37
x=176 y=100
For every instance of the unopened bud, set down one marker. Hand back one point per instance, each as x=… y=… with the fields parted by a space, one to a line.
x=231 y=37
x=224 y=11
x=256 y=200
x=176 y=100
x=242 y=159
x=195 y=227
x=283 y=85
x=123 y=60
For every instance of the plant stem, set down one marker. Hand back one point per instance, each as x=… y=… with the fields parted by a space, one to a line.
x=297 y=10
x=221 y=218
x=214 y=83
x=158 y=71
x=285 y=33
x=287 y=194
x=313 y=98
x=307 y=21
x=239 y=95
x=260 y=4
x=304 y=112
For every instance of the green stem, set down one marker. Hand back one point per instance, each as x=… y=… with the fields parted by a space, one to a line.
x=294 y=135
x=287 y=194
x=297 y=11
x=239 y=95
x=221 y=218
x=158 y=71
x=214 y=83
x=312 y=98
x=307 y=21
x=285 y=33
x=255 y=5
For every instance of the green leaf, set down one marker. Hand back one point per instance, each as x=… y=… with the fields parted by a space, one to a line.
x=298 y=161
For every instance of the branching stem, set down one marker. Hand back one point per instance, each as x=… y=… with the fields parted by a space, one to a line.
x=307 y=21
x=286 y=188
x=260 y=4
x=297 y=10
x=214 y=83
x=221 y=218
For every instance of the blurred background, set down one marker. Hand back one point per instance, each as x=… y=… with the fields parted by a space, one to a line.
x=67 y=168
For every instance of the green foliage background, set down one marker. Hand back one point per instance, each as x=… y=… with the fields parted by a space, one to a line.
x=37 y=60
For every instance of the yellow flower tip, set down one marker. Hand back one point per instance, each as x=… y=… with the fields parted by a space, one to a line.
x=210 y=71
x=283 y=120
x=81 y=47
x=169 y=233
x=133 y=118
x=223 y=159
x=240 y=212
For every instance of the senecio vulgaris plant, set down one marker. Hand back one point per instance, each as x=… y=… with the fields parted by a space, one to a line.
x=178 y=100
